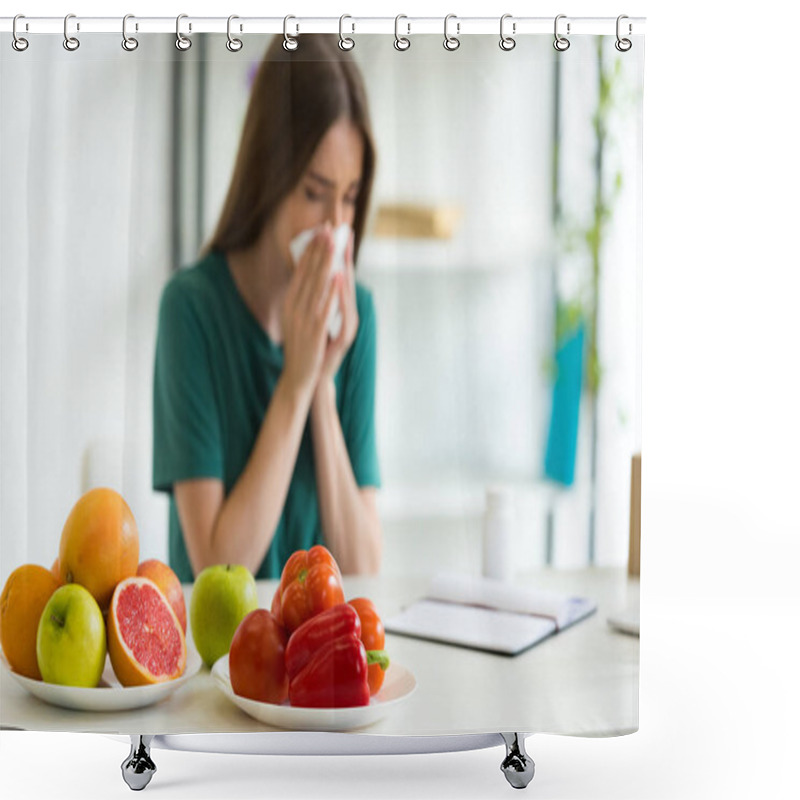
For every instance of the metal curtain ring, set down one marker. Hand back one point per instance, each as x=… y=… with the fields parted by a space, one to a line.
x=18 y=43
x=129 y=43
x=559 y=42
x=182 y=42
x=345 y=42
x=451 y=42
x=233 y=44
x=289 y=42
x=623 y=45
x=70 y=42
x=400 y=42
x=507 y=42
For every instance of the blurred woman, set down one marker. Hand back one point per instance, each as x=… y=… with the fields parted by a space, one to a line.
x=264 y=429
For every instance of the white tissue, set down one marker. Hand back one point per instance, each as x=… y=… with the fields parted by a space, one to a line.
x=341 y=235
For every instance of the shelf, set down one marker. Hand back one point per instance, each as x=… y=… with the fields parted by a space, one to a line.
x=426 y=257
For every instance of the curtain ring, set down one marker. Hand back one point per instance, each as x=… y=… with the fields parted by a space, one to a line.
x=345 y=42
x=233 y=44
x=400 y=42
x=451 y=43
x=129 y=43
x=623 y=45
x=18 y=43
x=289 y=42
x=560 y=42
x=507 y=42
x=182 y=42
x=70 y=42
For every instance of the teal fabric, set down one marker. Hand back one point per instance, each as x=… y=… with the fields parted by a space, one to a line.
x=215 y=372
x=562 y=438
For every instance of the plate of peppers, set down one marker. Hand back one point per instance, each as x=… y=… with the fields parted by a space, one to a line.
x=312 y=662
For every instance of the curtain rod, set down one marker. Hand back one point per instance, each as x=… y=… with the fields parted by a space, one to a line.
x=408 y=26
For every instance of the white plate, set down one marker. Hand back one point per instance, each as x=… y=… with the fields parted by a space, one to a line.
x=397 y=686
x=110 y=695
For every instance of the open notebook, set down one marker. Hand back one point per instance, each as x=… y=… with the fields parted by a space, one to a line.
x=487 y=614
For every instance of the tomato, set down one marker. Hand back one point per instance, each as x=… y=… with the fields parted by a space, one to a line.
x=257 y=658
x=373 y=636
x=310 y=583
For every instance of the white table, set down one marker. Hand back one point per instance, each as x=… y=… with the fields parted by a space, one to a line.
x=583 y=681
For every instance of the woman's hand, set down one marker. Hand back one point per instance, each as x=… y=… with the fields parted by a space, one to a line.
x=336 y=348
x=305 y=312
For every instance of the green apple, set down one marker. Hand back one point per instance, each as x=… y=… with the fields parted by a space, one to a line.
x=222 y=596
x=71 y=638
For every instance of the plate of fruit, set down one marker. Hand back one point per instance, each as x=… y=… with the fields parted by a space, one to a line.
x=312 y=662
x=109 y=694
x=98 y=631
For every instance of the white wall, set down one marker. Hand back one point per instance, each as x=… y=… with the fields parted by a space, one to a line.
x=85 y=250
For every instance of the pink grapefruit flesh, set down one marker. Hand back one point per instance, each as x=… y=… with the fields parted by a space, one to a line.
x=145 y=639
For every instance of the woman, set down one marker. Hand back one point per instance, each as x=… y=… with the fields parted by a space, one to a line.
x=264 y=429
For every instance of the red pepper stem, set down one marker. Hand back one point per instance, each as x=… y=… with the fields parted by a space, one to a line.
x=378 y=657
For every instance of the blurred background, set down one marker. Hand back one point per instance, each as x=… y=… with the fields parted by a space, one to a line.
x=503 y=253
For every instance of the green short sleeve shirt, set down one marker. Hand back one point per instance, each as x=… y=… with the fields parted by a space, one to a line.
x=215 y=372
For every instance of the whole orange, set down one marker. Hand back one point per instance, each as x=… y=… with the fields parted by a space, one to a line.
x=24 y=597
x=99 y=544
x=166 y=580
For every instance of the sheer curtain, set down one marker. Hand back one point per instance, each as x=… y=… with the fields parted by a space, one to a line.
x=85 y=250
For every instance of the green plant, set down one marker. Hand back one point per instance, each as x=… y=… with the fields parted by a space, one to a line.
x=591 y=236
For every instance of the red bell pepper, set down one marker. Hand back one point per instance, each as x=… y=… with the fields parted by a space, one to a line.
x=336 y=677
x=326 y=662
x=315 y=633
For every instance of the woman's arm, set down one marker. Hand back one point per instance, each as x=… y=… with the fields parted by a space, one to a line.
x=349 y=513
x=239 y=529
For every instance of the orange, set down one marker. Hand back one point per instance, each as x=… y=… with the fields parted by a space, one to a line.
x=99 y=544
x=145 y=640
x=24 y=597
x=166 y=580
x=56 y=570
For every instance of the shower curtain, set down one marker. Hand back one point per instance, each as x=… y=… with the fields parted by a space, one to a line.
x=502 y=222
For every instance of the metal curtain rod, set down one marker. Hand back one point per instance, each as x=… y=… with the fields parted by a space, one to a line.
x=515 y=26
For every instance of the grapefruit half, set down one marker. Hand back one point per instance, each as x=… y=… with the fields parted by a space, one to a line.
x=145 y=639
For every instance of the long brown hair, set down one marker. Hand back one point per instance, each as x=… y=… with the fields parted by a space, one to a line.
x=296 y=97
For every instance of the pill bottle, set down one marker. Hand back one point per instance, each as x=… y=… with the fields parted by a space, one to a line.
x=499 y=528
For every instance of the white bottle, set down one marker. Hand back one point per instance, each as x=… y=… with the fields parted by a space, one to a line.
x=499 y=528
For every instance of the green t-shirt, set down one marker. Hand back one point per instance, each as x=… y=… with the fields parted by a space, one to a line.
x=215 y=372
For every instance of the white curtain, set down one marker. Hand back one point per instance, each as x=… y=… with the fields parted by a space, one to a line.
x=85 y=250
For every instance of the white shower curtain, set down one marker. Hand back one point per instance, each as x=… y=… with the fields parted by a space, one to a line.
x=115 y=167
